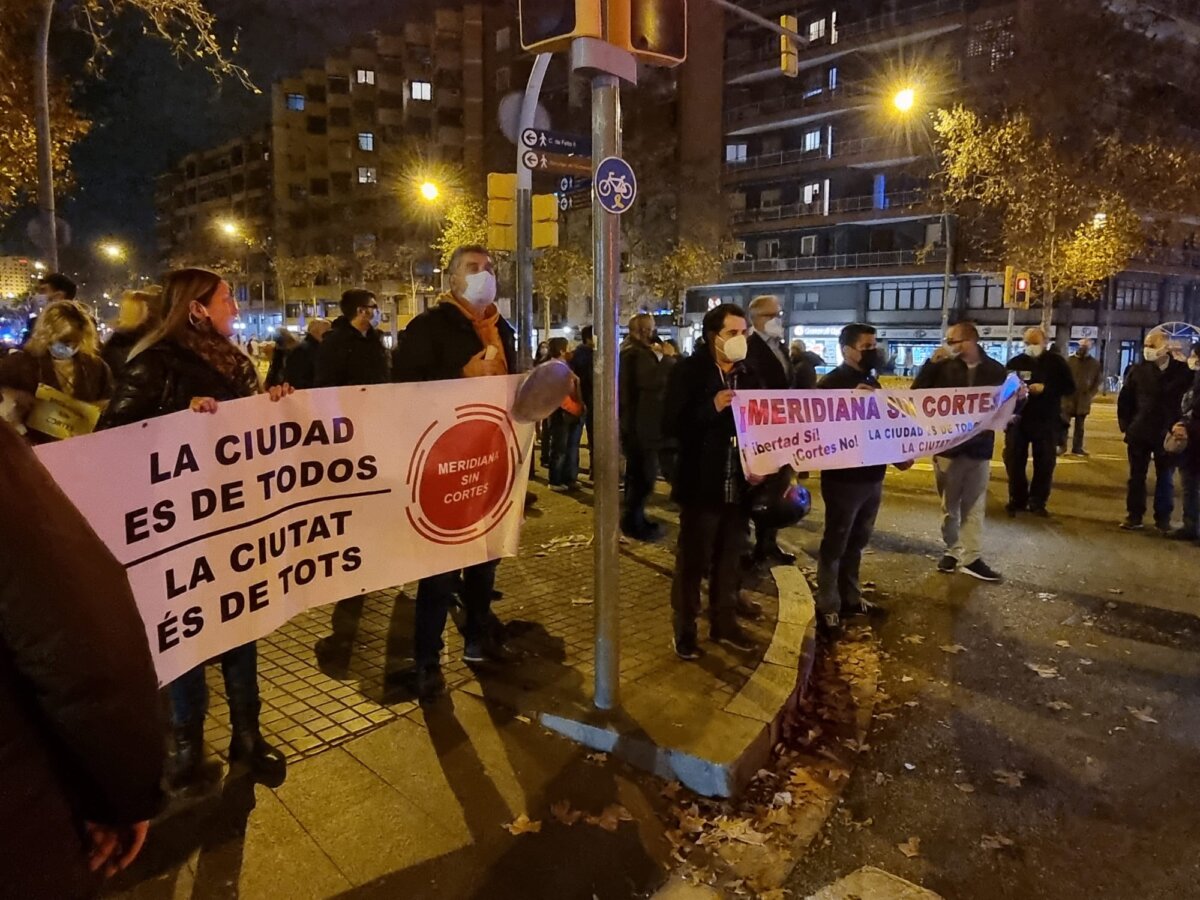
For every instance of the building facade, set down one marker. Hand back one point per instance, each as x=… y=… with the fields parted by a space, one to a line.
x=828 y=185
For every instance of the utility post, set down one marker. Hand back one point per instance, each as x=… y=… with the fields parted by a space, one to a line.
x=524 y=253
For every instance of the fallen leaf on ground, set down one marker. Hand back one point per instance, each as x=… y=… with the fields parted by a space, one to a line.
x=855 y=746
x=1145 y=714
x=563 y=813
x=953 y=648
x=778 y=815
x=610 y=818
x=1059 y=705
x=1046 y=595
x=911 y=703
x=525 y=719
x=906 y=678
x=599 y=758
x=1009 y=779
x=1043 y=671
x=522 y=825
x=773 y=894
x=582 y=601
x=1115 y=591
x=671 y=790
x=910 y=848
x=782 y=798
x=1062 y=643
x=995 y=842
x=742 y=831
x=914 y=639
x=1087 y=662
x=965 y=788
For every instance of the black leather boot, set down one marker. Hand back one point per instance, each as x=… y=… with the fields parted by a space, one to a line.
x=249 y=747
x=190 y=771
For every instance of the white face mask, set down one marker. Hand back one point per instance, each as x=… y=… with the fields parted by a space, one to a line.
x=61 y=351
x=1035 y=350
x=481 y=289
x=1194 y=364
x=1151 y=354
x=773 y=328
x=734 y=349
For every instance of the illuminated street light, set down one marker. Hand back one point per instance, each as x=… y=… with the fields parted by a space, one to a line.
x=429 y=191
x=904 y=99
x=112 y=251
x=1099 y=220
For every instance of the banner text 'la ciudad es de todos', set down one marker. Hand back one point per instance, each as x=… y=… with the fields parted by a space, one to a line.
x=231 y=523
x=816 y=430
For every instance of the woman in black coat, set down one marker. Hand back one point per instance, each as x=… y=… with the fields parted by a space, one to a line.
x=191 y=363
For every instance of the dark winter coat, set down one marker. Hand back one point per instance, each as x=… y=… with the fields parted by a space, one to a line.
x=1085 y=372
x=703 y=435
x=642 y=385
x=437 y=344
x=165 y=378
x=347 y=356
x=80 y=736
x=1150 y=401
x=804 y=370
x=771 y=371
x=1042 y=413
x=300 y=367
x=583 y=361
x=24 y=371
x=955 y=373
x=846 y=377
x=118 y=347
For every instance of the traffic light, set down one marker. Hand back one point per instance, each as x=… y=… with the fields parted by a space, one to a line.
x=502 y=211
x=548 y=26
x=789 y=48
x=545 y=221
x=1021 y=287
x=655 y=31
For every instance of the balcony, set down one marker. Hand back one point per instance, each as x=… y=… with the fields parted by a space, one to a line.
x=875 y=33
x=764 y=269
x=795 y=108
x=862 y=210
x=856 y=153
x=1164 y=259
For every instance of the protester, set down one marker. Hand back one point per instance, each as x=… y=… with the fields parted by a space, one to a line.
x=961 y=474
x=140 y=312
x=190 y=362
x=353 y=351
x=709 y=485
x=63 y=353
x=642 y=383
x=566 y=429
x=1149 y=404
x=55 y=286
x=668 y=450
x=285 y=343
x=804 y=366
x=772 y=367
x=852 y=496
x=1036 y=425
x=583 y=361
x=1187 y=432
x=80 y=737
x=1086 y=373
x=462 y=336
x=300 y=368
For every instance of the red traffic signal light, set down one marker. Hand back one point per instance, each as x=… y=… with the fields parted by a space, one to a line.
x=1022 y=284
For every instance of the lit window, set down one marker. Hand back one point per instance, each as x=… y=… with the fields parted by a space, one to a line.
x=366 y=141
x=812 y=192
x=812 y=140
x=368 y=175
x=295 y=102
x=833 y=78
x=816 y=30
x=808 y=245
x=735 y=153
x=422 y=90
x=364 y=76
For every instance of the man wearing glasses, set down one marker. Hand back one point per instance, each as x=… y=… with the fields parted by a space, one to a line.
x=961 y=474
x=353 y=351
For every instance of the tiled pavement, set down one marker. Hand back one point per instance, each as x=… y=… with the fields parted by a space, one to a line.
x=548 y=611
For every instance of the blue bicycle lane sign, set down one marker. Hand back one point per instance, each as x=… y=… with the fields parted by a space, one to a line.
x=614 y=185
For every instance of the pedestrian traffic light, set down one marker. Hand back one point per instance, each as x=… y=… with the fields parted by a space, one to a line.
x=502 y=211
x=655 y=31
x=1021 y=291
x=548 y=26
x=545 y=221
x=789 y=47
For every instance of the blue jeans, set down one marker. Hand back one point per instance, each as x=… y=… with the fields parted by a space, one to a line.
x=189 y=693
x=474 y=586
x=566 y=431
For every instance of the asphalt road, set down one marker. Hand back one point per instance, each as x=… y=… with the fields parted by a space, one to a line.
x=1099 y=755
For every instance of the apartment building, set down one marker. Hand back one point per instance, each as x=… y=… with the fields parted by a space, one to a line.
x=18 y=276
x=828 y=189
x=335 y=173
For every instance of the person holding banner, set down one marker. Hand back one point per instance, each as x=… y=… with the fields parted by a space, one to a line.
x=60 y=363
x=852 y=496
x=709 y=485
x=961 y=474
x=462 y=336
x=191 y=362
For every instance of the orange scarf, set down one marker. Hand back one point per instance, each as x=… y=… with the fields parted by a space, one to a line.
x=485 y=324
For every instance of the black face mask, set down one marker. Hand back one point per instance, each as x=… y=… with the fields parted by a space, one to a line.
x=869 y=359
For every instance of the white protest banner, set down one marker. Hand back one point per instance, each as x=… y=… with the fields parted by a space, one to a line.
x=814 y=430
x=231 y=523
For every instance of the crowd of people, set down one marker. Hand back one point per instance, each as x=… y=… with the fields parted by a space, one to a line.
x=173 y=349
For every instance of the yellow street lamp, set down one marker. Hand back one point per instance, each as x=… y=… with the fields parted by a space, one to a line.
x=113 y=251
x=429 y=191
x=229 y=228
x=904 y=99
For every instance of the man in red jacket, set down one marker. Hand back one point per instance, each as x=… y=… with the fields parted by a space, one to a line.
x=81 y=746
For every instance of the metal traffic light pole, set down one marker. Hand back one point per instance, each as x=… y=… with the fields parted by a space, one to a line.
x=533 y=92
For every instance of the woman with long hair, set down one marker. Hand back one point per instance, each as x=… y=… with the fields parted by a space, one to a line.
x=190 y=362
x=140 y=313
x=63 y=352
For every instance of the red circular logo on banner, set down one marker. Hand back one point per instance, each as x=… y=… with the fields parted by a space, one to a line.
x=465 y=475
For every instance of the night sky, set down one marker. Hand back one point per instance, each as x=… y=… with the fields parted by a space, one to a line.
x=150 y=109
